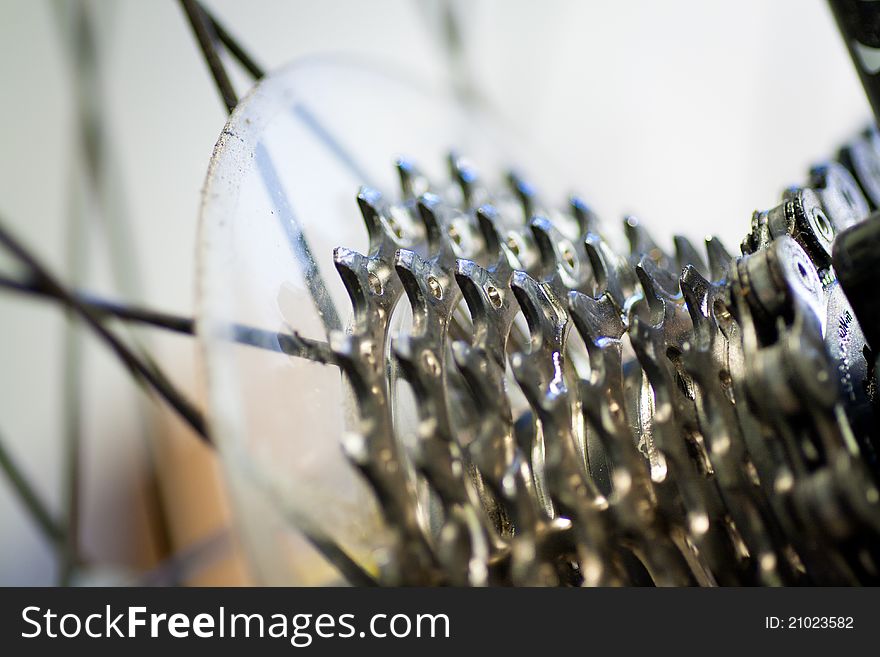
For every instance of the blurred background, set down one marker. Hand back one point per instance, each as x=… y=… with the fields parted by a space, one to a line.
x=689 y=114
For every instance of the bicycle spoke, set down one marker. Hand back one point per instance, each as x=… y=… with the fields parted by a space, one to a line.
x=207 y=38
x=290 y=344
x=27 y=494
x=233 y=46
x=143 y=371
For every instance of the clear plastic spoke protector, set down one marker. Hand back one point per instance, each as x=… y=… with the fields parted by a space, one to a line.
x=280 y=196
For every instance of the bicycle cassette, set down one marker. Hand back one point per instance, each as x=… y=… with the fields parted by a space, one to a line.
x=527 y=404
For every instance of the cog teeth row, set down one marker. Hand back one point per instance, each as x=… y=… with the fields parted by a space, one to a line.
x=695 y=435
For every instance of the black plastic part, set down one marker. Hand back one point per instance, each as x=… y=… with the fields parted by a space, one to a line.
x=859 y=23
x=856 y=260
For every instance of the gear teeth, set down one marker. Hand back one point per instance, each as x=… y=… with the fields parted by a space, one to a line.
x=431 y=292
x=596 y=319
x=546 y=316
x=487 y=223
x=641 y=244
x=658 y=284
x=503 y=255
x=719 y=258
x=696 y=292
x=466 y=176
x=437 y=453
x=562 y=259
x=687 y=254
x=524 y=193
x=587 y=221
x=428 y=207
x=490 y=302
x=371 y=286
x=696 y=423
x=373 y=449
x=413 y=183
x=612 y=272
x=369 y=201
x=474 y=364
x=350 y=265
x=388 y=227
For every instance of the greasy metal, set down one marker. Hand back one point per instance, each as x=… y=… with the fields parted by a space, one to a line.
x=710 y=424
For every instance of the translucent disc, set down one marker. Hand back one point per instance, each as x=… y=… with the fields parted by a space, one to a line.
x=280 y=195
